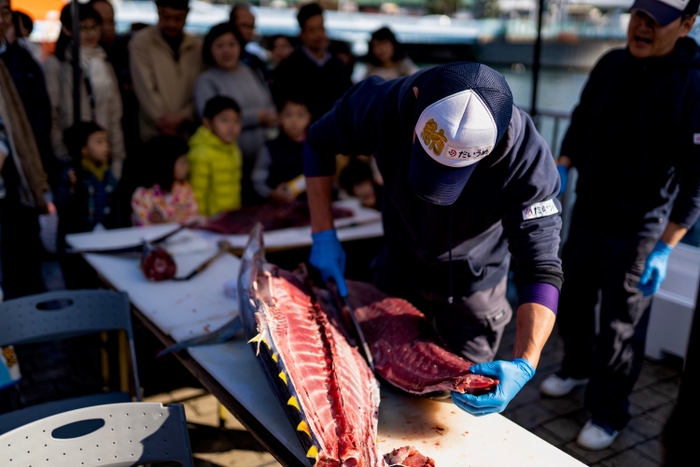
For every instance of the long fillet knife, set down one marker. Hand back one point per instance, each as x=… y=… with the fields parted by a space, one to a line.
x=360 y=334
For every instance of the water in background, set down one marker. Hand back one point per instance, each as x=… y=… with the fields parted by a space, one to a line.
x=556 y=90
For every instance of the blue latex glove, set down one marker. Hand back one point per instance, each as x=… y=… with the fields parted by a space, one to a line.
x=563 y=177
x=512 y=376
x=655 y=269
x=327 y=255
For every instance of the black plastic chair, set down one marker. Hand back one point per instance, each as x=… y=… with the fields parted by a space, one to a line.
x=60 y=315
x=112 y=435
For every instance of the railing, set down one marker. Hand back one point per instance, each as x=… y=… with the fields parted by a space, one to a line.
x=549 y=125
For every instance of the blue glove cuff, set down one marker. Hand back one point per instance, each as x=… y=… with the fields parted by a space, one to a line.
x=526 y=367
x=324 y=235
x=663 y=248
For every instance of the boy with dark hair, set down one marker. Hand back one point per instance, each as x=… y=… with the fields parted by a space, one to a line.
x=311 y=71
x=357 y=180
x=278 y=173
x=86 y=195
x=216 y=162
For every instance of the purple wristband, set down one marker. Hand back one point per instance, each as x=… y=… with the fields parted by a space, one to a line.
x=541 y=293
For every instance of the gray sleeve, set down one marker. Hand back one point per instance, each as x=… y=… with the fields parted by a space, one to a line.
x=204 y=89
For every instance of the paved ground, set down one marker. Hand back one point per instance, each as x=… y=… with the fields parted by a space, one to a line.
x=73 y=369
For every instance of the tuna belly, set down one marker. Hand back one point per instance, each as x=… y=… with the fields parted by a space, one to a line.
x=331 y=389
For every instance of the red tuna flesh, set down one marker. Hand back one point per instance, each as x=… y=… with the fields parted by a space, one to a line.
x=337 y=394
x=407 y=351
x=272 y=216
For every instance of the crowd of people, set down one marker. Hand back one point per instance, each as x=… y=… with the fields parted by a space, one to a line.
x=173 y=127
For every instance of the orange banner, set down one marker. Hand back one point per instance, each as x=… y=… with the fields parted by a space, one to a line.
x=38 y=9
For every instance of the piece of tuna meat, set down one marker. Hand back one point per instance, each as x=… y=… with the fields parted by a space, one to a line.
x=406 y=349
x=407 y=456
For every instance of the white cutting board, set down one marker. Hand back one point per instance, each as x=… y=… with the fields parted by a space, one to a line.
x=452 y=437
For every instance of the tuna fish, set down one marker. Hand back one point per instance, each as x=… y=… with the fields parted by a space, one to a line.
x=330 y=394
x=301 y=335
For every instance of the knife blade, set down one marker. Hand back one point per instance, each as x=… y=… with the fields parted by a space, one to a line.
x=363 y=342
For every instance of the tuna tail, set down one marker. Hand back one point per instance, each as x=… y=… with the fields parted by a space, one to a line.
x=251 y=262
x=223 y=334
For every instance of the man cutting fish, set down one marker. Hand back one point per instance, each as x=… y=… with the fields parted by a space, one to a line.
x=469 y=184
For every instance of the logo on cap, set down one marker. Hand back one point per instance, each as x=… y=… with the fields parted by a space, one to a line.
x=457 y=130
x=433 y=137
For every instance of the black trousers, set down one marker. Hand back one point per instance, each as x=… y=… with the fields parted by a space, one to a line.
x=21 y=250
x=601 y=268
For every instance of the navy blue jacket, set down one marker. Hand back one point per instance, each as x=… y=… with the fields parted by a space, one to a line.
x=634 y=138
x=91 y=202
x=488 y=219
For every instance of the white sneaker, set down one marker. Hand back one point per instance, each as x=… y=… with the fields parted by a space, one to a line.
x=595 y=438
x=554 y=386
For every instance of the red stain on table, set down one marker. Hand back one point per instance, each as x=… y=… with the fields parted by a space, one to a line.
x=183 y=299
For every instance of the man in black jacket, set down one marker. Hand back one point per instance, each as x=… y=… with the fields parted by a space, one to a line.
x=468 y=184
x=311 y=71
x=635 y=140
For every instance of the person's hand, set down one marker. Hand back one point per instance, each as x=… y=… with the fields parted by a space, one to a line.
x=655 y=269
x=267 y=118
x=512 y=376
x=563 y=178
x=327 y=255
x=283 y=194
x=170 y=123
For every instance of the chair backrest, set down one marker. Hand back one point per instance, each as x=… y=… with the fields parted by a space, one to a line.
x=114 y=435
x=67 y=313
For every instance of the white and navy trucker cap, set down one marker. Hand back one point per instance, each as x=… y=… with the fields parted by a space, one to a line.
x=463 y=111
x=666 y=11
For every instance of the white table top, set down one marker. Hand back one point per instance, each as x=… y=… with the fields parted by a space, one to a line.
x=437 y=429
x=364 y=223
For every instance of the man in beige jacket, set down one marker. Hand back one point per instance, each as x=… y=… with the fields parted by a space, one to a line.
x=165 y=61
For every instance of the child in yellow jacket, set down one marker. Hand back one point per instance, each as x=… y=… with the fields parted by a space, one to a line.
x=215 y=160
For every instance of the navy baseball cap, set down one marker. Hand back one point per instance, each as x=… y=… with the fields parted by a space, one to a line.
x=666 y=11
x=463 y=110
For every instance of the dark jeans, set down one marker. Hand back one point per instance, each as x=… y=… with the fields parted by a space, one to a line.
x=471 y=326
x=596 y=265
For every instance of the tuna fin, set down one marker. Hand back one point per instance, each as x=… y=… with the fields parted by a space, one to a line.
x=302 y=426
x=283 y=377
x=294 y=403
x=258 y=339
x=275 y=358
x=223 y=334
x=312 y=453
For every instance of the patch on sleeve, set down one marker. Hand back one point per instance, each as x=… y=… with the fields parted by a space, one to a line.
x=543 y=209
x=696 y=138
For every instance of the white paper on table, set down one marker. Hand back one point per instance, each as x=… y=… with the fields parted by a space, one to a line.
x=187 y=242
x=116 y=239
